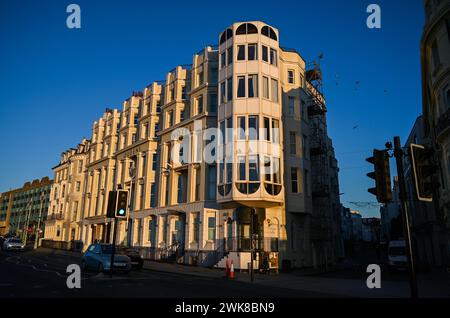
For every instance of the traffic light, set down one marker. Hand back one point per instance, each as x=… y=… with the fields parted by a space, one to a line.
x=122 y=204
x=424 y=169
x=111 y=209
x=381 y=175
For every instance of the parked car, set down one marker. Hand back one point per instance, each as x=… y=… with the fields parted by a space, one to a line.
x=397 y=259
x=13 y=244
x=98 y=257
x=136 y=259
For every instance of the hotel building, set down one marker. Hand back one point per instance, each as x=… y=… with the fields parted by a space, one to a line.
x=226 y=154
x=63 y=222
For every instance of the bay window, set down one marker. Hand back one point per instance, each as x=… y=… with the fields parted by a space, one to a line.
x=241 y=86
x=265 y=53
x=266 y=128
x=265 y=87
x=252 y=85
x=222 y=93
x=253 y=127
x=276 y=131
x=273 y=57
x=241 y=53
x=274 y=90
x=252 y=52
x=241 y=127
x=229 y=89
x=230 y=55
x=272 y=175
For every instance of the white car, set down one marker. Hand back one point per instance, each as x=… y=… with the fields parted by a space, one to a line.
x=13 y=244
x=397 y=255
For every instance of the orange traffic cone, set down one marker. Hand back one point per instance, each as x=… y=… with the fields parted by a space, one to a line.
x=232 y=270
x=226 y=268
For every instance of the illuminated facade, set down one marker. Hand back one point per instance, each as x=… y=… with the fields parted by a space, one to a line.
x=216 y=159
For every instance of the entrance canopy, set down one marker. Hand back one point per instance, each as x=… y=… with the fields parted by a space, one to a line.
x=243 y=214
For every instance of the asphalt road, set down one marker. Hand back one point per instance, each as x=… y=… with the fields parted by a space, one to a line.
x=42 y=274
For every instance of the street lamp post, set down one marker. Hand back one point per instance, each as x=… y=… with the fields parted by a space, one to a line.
x=36 y=235
x=18 y=225
x=132 y=173
x=25 y=235
x=20 y=219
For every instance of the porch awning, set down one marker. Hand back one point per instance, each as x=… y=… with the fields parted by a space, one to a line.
x=243 y=214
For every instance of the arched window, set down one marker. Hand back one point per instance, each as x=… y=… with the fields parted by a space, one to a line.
x=246 y=28
x=251 y=28
x=242 y=29
x=226 y=35
x=269 y=32
x=229 y=34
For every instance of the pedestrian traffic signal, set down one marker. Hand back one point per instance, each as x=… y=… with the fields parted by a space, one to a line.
x=381 y=175
x=424 y=169
x=122 y=204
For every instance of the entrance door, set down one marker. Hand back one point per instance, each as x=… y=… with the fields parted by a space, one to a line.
x=178 y=232
x=152 y=231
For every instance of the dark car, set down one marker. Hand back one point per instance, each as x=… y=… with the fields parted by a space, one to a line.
x=136 y=259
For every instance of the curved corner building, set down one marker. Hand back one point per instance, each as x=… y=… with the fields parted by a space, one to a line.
x=269 y=181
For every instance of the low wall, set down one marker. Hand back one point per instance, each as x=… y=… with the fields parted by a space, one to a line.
x=76 y=246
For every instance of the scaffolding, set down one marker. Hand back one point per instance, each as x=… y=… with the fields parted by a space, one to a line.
x=320 y=152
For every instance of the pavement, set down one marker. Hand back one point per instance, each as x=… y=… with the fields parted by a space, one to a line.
x=341 y=282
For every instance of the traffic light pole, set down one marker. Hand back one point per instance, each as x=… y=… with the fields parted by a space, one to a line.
x=113 y=247
x=398 y=153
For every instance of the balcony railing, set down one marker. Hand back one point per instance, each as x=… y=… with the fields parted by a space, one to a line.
x=243 y=244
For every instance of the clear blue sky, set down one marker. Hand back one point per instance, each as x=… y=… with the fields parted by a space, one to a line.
x=54 y=82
